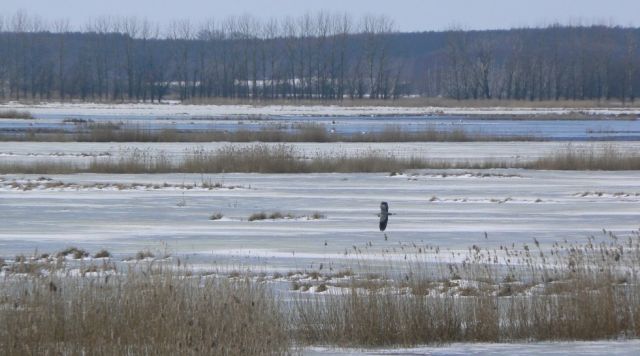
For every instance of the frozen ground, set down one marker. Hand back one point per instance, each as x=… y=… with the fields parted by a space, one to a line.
x=450 y=209
x=626 y=347
x=450 y=151
x=175 y=109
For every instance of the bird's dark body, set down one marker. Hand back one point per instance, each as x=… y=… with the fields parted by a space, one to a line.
x=383 y=224
x=384 y=215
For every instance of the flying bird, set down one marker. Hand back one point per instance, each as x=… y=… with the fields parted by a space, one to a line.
x=384 y=215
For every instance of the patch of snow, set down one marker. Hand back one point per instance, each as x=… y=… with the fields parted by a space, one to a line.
x=181 y=110
x=605 y=347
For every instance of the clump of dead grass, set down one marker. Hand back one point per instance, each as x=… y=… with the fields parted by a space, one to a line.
x=257 y=216
x=216 y=216
x=102 y=254
x=74 y=252
x=277 y=215
x=316 y=216
x=15 y=114
x=271 y=216
x=144 y=254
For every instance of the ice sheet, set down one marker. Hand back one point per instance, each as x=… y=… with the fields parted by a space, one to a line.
x=511 y=206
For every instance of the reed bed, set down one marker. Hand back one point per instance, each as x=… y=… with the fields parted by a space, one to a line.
x=151 y=311
x=569 y=291
x=41 y=167
x=282 y=158
x=285 y=159
x=15 y=114
x=258 y=158
x=307 y=132
x=607 y=159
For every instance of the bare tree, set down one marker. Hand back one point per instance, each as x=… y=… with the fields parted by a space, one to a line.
x=630 y=60
x=62 y=28
x=180 y=33
x=482 y=67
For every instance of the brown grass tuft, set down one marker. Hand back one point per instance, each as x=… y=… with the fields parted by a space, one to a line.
x=15 y=114
x=216 y=216
x=73 y=251
x=141 y=255
x=102 y=254
x=258 y=216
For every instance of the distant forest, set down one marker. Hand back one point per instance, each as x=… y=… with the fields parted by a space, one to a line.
x=321 y=56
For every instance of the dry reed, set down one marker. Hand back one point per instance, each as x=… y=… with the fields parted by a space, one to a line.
x=152 y=311
x=281 y=158
x=15 y=114
x=607 y=159
x=308 y=132
x=586 y=291
x=572 y=292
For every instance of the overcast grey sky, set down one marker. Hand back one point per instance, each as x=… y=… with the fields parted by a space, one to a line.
x=409 y=15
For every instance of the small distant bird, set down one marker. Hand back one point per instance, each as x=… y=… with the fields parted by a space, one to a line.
x=384 y=215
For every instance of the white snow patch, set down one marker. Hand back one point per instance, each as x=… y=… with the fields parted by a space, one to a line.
x=605 y=347
x=181 y=110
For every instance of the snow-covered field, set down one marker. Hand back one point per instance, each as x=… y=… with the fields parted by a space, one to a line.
x=449 y=209
x=332 y=216
x=623 y=347
x=176 y=109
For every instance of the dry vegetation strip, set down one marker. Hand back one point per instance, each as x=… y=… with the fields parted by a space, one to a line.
x=379 y=319
x=281 y=158
x=589 y=291
x=572 y=292
x=147 y=312
x=257 y=158
x=309 y=132
x=15 y=114
x=607 y=159
x=279 y=216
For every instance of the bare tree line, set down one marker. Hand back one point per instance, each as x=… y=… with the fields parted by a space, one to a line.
x=238 y=57
x=324 y=56
x=554 y=63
